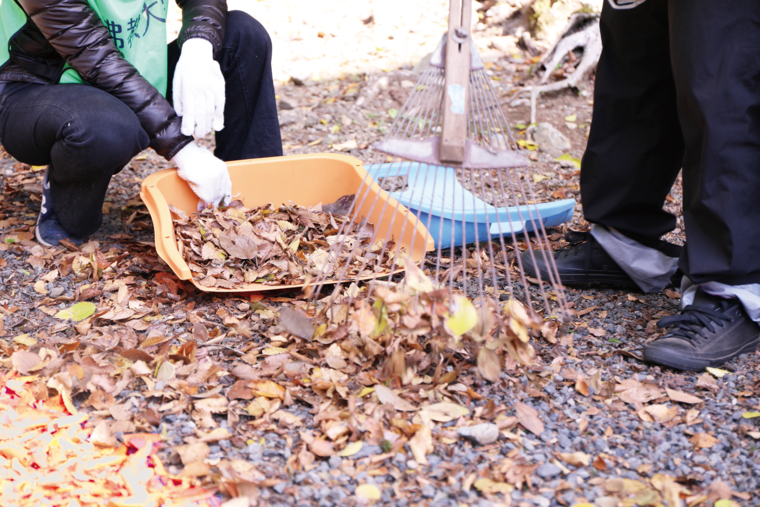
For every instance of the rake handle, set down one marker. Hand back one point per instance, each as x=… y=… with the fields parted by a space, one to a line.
x=457 y=78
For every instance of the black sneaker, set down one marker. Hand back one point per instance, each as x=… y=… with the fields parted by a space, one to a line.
x=49 y=231
x=584 y=261
x=708 y=332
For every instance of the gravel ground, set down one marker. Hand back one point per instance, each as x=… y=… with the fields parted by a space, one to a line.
x=637 y=435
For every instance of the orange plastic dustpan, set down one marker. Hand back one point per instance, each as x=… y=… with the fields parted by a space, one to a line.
x=304 y=179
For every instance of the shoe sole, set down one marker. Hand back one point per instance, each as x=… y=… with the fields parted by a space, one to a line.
x=680 y=362
x=581 y=278
x=39 y=237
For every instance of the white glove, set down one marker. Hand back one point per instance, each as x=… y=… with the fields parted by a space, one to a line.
x=207 y=175
x=198 y=89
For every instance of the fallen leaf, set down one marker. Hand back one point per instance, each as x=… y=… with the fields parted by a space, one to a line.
x=297 y=324
x=351 y=449
x=703 y=440
x=388 y=397
x=575 y=458
x=491 y=487
x=445 y=411
x=78 y=312
x=368 y=492
x=598 y=332
x=707 y=381
x=528 y=417
x=323 y=448
x=672 y=294
x=599 y=463
x=268 y=389
x=682 y=397
x=717 y=372
x=750 y=415
x=463 y=316
x=349 y=145
x=24 y=361
x=191 y=453
x=489 y=364
x=581 y=386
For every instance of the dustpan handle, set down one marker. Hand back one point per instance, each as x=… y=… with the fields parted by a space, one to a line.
x=457 y=77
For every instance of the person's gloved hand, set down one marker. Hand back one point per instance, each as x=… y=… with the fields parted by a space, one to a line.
x=198 y=89
x=207 y=175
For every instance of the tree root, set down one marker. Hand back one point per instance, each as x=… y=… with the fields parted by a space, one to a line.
x=587 y=38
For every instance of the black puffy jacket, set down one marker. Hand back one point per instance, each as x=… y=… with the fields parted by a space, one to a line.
x=69 y=31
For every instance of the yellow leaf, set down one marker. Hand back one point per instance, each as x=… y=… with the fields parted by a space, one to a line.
x=257 y=407
x=268 y=389
x=750 y=415
x=366 y=391
x=273 y=351
x=530 y=145
x=351 y=449
x=571 y=118
x=576 y=162
x=415 y=278
x=538 y=178
x=79 y=311
x=444 y=412
x=25 y=339
x=368 y=492
x=717 y=372
x=39 y=287
x=463 y=315
x=489 y=486
x=335 y=129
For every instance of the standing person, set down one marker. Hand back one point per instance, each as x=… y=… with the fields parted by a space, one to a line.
x=85 y=85
x=677 y=87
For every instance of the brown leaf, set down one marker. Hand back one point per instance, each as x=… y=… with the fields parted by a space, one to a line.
x=598 y=332
x=707 y=381
x=672 y=294
x=193 y=453
x=322 y=448
x=245 y=246
x=600 y=464
x=135 y=355
x=528 y=417
x=388 y=397
x=489 y=364
x=703 y=440
x=297 y=324
x=575 y=458
x=581 y=386
x=683 y=397
x=103 y=437
x=24 y=361
x=200 y=333
x=240 y=391
x=244 y=372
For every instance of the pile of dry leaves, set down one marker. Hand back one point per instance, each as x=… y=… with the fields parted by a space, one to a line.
x=50 y=457
x=289 y=245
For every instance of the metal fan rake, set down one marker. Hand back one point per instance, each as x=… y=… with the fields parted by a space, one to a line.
x=450 y=160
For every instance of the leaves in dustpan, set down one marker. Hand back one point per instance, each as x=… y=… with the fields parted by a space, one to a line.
x=226 y=248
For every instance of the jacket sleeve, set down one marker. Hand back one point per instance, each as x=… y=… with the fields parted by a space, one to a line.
x=76 y=32
x=205 y=19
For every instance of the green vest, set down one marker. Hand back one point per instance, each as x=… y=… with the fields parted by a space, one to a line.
x=138 y=29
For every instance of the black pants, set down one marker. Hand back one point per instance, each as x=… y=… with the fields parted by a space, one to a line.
x=678 y=86
x=87 y=135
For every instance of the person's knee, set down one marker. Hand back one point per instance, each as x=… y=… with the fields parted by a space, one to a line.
x=245 y=32
x=104 y=136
